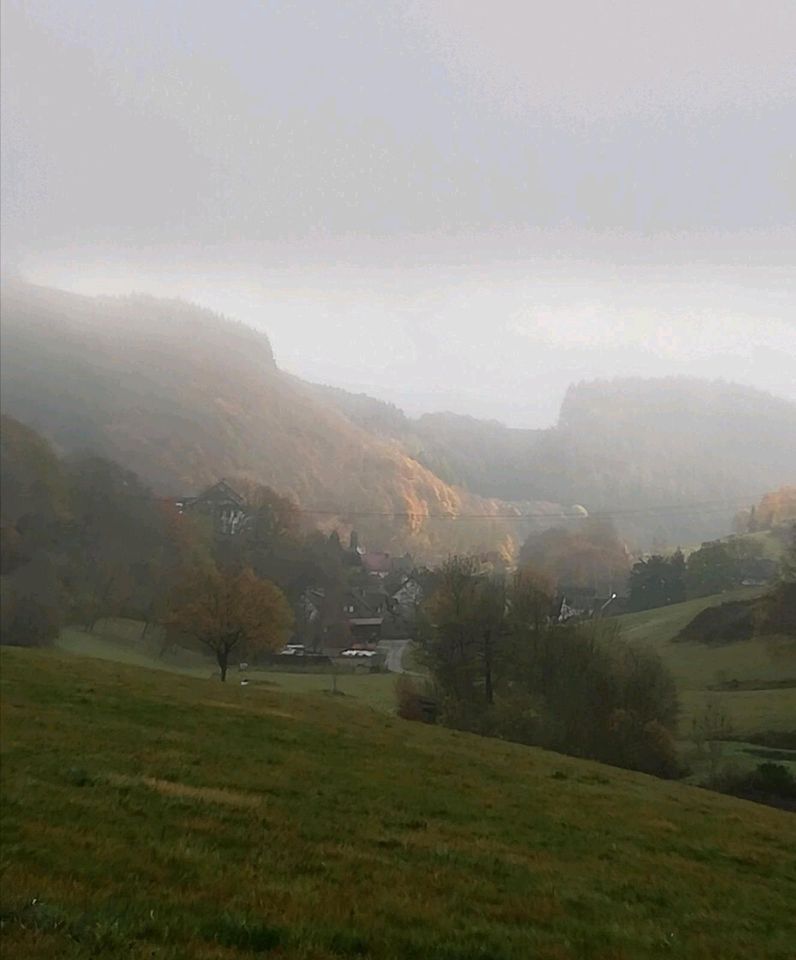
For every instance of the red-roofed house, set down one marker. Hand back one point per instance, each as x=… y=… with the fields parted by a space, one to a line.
x=377 y=564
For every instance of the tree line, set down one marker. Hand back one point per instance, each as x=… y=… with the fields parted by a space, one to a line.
x=82 y=538
x=502 y=665
x=589 y=557
x=714 y=568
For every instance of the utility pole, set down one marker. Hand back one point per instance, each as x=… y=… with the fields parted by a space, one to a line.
x=490 y=698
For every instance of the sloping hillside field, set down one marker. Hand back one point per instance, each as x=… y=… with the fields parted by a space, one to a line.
x=148 y=814
x=765 y=694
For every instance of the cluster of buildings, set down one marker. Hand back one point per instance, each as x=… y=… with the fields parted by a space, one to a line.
x=383 y=594
x=381 y=600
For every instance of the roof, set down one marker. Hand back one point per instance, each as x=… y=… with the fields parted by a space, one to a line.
x=219 y=493
x=366 y=601
x=377 y=562
x=406 y=582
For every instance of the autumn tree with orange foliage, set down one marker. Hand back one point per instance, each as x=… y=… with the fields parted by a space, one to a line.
x=230 y=613
x=775 y=508
x=588 y=556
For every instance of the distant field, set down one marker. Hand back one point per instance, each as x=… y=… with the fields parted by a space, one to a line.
x=697 y=667
x=771 y=544
x=120 y=641
x=161 y=816
x=738 y=756
x=109 y=642
x=660 y=625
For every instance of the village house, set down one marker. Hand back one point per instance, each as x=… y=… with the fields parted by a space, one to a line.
x=363 y=610
x=407 y=598
x=376 y=565
x=223 y=505
x=402 y=606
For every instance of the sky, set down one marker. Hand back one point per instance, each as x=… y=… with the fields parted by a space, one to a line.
x=449 y=204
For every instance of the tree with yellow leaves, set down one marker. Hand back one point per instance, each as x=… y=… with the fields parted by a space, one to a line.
x=230 y=614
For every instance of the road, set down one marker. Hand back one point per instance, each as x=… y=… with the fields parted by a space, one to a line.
x=393 y=651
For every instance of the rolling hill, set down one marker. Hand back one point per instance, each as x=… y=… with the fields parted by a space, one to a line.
x=150 y=814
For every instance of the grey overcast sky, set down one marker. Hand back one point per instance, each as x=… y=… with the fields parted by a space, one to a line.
x=451 y=204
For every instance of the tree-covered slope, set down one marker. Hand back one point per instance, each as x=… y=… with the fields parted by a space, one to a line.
x=184 y=397
x=673 y=458
x=708 y=445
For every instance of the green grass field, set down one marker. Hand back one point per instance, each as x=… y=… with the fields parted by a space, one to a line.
x=698 y=668
x=661 y=624
x=158 y=815
x=120 y=641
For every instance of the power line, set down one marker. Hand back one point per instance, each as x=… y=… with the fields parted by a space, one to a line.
x=709 y=506
x=703 y=505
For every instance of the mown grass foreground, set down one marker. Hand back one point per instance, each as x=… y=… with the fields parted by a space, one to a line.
x=153 y=815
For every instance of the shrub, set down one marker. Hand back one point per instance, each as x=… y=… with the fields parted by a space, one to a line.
x=769 y=783
x=415 y=701
x=727 y=623
x=32 y=608
x=596 y=696
x=648 y=747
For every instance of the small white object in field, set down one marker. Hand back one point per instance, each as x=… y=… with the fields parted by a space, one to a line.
x=244 y=683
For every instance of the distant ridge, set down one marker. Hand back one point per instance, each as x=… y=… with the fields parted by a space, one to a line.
x=631 y=445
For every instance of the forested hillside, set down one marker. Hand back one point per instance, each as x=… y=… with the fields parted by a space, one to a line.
x=633 y=444
x=673 y=458
x=183 y=397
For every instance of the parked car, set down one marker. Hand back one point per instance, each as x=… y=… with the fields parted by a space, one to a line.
x=292 y=650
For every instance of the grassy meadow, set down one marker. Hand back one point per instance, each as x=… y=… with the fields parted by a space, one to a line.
x=160 y=815
x=120 y=640
x=701 y=671
x=698 y=670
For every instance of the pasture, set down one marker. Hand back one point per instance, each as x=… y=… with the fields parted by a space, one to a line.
x=162 y=815
x=121 y=641
x=706 y=674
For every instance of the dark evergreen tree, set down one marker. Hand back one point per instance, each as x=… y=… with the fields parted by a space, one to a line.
x=657 y=582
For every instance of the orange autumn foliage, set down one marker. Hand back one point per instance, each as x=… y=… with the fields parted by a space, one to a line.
x=230 y=613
